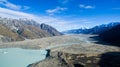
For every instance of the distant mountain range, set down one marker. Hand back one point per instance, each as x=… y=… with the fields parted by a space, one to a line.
x=95 y=30
x=21 y=29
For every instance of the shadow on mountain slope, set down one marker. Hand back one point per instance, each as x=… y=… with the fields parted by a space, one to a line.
x=112 y=38
x=98 y=40
x=110 y=59
x=109 y=37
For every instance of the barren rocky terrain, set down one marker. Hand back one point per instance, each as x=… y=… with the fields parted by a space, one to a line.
x=71 y=51
x=77 y=42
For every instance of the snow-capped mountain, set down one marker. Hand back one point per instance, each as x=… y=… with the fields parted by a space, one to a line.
x=95 y=30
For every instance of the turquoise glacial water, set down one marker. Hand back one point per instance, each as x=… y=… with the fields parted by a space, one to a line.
x=17 y=57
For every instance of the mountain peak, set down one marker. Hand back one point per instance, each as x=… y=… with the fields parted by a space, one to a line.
x=50 y=29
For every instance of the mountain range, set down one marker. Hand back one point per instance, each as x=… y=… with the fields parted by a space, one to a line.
x=94 y=30
x=21 y=29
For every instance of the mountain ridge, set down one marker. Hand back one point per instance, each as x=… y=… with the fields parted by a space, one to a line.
x=21 y=29
x=94 y=30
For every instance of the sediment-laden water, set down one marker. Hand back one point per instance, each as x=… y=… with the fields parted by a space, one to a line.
x=16 y=57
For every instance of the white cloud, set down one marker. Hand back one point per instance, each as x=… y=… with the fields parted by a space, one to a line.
x=13 y=14
x=56 y=10
x=86 y=6
x=10 y=5
x=63 y=1
x=26 y=7
x=60 y=24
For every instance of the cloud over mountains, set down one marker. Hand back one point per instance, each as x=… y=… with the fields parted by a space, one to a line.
x=86 y=6
x=10 y=5
x=58 y=23
x=56 y=10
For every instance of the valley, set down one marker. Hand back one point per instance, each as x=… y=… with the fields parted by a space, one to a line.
x=59 y=33
x=64 y=47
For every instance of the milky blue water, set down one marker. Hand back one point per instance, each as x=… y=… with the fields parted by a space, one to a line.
x=16 y=57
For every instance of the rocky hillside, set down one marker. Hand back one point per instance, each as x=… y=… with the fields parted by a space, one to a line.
x=50 y=29
x=60 y=59
x=21 y=29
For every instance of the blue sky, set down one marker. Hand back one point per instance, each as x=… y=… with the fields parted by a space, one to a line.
x=63 y=14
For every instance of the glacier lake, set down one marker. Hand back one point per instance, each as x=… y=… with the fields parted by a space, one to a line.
x=17 y=57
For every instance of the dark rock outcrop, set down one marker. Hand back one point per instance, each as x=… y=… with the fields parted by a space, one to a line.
x=48 y=53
